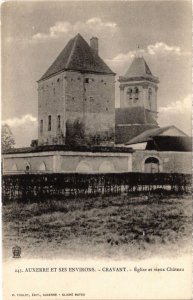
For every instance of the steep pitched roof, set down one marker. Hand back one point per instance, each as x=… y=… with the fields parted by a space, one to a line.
x=124 y=133
x=151 y=133
x=133 y=115
x=77 y=56
x=138 y=68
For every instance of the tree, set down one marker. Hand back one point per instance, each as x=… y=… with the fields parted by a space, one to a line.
x=7 y=139
x=75 y=133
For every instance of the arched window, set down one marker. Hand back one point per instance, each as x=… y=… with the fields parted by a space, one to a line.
x=152 y=165
x=58 y=122
x=150 y=96
x=149 y=93
x=49 y=123
x=130 y=92
x=27 y=168
x=136 y=91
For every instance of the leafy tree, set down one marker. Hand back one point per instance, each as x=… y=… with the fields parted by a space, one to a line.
x=7 y=138
x=75 y=135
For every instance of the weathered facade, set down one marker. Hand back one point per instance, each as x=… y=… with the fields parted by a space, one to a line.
x=138 y=102
x=76 y=97
x=67 y=162
x=151 y=161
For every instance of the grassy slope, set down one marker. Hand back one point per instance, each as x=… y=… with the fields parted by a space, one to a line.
x=118 y=226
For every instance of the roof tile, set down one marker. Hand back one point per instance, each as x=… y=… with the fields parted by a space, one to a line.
x=77 y=56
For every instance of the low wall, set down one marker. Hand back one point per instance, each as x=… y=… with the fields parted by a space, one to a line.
x=67 y=162
x=169 y=161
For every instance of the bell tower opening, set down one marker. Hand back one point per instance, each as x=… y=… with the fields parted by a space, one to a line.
x=138 y=87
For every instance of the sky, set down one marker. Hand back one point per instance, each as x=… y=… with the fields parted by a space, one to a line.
x=34 y=33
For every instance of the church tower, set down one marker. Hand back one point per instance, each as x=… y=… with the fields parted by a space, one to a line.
x=138 y=101
x=138 y=87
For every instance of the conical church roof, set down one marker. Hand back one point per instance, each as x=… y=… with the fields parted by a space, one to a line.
x=77 y=56
x=138 y=68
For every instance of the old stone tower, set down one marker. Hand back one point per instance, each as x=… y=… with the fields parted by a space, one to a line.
x=76 y=97
x=138 y=101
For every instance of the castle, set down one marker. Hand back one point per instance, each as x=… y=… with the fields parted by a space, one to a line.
x=76 y=97
x=79 y=129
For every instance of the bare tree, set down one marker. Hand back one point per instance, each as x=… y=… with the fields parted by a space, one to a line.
x=7 y=138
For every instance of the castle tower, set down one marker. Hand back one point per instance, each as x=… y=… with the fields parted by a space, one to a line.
x=138 y=87
x=76 y=97
x=138 y=102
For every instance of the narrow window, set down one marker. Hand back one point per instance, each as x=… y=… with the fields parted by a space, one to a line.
x=150 y=97
x=49 y=123
x=136 y=93
x=149 y=94
x=58 y=122
x=41 y=126
x=86 y=80
x=129 y=92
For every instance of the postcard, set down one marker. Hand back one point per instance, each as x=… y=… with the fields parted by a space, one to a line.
x=96 y=150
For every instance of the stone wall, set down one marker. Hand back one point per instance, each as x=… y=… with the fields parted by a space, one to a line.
x=170 y=162
x=60 y=161
x=141 y=98
x=88 y=99
x=51 y=101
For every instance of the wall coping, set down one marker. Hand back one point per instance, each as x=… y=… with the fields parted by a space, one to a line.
x=67 y=153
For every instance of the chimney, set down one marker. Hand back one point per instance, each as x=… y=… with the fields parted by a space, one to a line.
x=94 y=44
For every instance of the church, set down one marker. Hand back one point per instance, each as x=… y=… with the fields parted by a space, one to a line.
x=80 y=130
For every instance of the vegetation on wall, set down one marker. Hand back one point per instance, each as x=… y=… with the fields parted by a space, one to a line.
x=75 y=133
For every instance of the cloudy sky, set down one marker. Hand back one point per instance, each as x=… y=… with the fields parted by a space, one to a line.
x=34 y=33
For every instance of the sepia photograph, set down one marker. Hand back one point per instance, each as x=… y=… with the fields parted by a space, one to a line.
x=96 y=148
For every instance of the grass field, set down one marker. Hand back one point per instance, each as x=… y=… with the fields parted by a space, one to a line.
x=115 y=227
